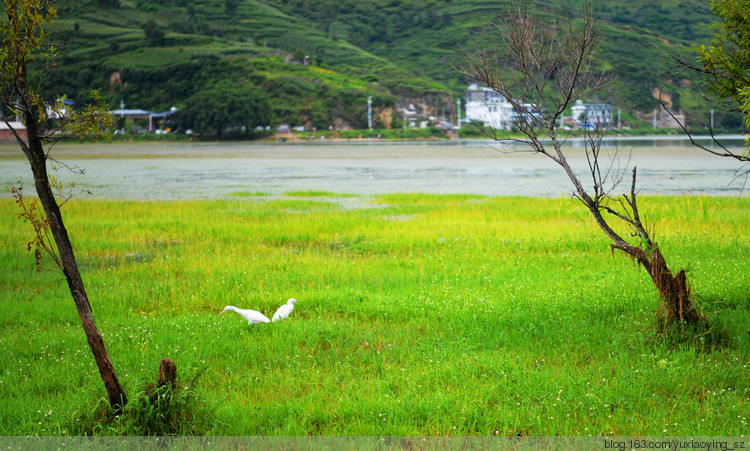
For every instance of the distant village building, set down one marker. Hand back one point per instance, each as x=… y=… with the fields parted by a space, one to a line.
x=158 y=121
x=660 y=118
x=154 y=119
x=59 y=109
x=290 y=59
x=493 y=110
x=489 y=107
x=132 y=113
x=410 y=116
x=671 y=120
x=7 y=134
x=665 y=120
x=592 y=115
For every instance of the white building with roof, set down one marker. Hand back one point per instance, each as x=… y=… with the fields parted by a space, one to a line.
x=7 y=134
x=493 y=110
x=592 y=115
x=489 y=107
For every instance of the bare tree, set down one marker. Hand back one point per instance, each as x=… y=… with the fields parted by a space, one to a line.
x=26 y=41
x=719 y=70
x=541 y=66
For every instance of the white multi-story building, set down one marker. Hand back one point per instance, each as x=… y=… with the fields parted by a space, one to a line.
x=492 y=109
x=489 y=107
x=592 y=115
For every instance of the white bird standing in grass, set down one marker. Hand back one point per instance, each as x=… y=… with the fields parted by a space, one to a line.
x=251 y=316
x=284 y=311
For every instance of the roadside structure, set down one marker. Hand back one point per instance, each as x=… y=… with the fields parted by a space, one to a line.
x=154 y=119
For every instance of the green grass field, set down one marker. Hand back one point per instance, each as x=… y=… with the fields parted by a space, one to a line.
x=418 y=315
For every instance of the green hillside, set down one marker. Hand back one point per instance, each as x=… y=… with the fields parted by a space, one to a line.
x=154 y=54
x=426 y=36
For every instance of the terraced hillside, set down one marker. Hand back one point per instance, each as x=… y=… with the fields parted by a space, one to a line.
x=154 y=54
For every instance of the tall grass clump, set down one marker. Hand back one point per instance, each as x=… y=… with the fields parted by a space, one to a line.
x=704 y=335
x=160 y=410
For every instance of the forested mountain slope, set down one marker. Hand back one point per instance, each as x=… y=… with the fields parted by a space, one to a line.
x=154 y=54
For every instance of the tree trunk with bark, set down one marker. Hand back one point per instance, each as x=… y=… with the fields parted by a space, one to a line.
x=34 y=151
x=674 y=293
x=26 y=39
x=676 y=304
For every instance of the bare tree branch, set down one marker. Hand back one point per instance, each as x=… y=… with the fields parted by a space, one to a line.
x=540 y=67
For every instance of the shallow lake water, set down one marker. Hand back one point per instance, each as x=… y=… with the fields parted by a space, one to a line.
x=164 y=171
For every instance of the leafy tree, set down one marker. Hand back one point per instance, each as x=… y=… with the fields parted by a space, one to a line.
x=724 y=66
x=541 y=66
x=726 y=60
x=225 y=106
x=26 y=41
x=298 y=55
x=154 y=36
x=396 y=120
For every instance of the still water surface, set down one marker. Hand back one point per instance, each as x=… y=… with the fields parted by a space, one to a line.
x=167 y=171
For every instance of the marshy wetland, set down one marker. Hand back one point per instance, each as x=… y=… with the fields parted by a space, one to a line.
x=443 y=290
x=166 y=171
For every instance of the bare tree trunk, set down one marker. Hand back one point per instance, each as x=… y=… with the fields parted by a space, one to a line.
x=674 y=293
x=25 y=38
x=34 y=151
x=541 y=67
x=673 y=290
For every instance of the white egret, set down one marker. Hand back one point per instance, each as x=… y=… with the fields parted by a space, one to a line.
x=251 y=316
x=284 y=311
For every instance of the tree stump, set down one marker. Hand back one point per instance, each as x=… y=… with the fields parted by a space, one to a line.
x=167 y=374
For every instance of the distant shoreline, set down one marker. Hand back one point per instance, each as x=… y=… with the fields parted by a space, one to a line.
x=292 y=138
x=733 y=138
x=8 y=146
x=389 y=136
